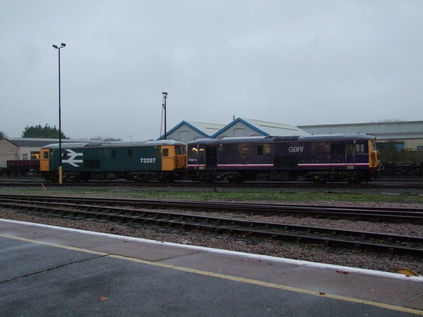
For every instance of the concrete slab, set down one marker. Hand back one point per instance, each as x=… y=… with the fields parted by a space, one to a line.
x=144 y=251
x=235 y=265
x=27 y=231
x=72 y=238
x=18 y=259
x=352 y=284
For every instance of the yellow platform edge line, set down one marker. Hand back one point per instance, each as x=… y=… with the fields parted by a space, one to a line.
x=271 y=285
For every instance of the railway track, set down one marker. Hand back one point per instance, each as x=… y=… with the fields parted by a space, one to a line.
x=102 y=210
x=367 y=213
x=387 y=183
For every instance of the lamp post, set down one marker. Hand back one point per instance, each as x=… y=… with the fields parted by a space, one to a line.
x=164 y=108
x=58 y=48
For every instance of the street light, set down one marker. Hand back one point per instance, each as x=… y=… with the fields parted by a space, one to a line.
x=164 y=108
x=58 y=48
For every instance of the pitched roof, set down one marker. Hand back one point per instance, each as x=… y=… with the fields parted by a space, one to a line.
x=265 y=128
x=204 y=129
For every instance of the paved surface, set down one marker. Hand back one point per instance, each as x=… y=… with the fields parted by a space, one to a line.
x=51 y=271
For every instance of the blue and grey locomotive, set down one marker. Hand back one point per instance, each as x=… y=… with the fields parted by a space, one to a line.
x=150 y=160
x=318 y=158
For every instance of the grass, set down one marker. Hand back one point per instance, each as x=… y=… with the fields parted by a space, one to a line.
x=222 y=194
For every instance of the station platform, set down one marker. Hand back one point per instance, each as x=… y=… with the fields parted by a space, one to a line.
x=53 y=271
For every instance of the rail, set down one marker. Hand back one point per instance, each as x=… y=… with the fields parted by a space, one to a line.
x=97 y=209
x=366 y=213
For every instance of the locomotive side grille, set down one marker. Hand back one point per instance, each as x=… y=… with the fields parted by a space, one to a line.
x=285 y=161
x=92 y=164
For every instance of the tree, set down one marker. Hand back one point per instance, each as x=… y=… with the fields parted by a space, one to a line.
x=42 y=132
x=2 y=135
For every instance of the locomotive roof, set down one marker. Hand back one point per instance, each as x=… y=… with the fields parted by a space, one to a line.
x=308 y=138
x=113 y=144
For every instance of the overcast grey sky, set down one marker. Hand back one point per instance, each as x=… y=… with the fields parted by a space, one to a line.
x=292 y=62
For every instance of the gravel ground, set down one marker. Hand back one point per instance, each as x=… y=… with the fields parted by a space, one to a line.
x=314 y=253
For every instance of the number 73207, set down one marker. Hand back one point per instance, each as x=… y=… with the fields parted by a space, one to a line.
x=146 y=160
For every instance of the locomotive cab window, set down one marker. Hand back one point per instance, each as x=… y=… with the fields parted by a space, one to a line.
x=355 y=148
x=165 y=152
x=45 y=154
x=180 y=150
x=374 y=145
x=194 y=151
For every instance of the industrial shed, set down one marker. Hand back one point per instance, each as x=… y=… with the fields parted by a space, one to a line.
x=250 y=127
x=187 y=131
x=405 y=134
x=21 y=149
